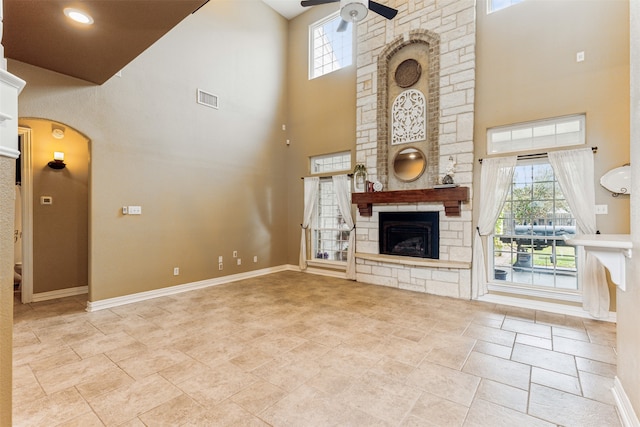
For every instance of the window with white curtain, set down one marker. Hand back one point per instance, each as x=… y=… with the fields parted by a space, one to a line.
x=329 y=232
x=528 y=242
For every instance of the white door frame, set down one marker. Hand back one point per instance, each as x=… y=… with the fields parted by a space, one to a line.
x=27 y=215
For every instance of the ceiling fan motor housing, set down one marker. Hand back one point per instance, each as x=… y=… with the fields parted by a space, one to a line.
x=353 y=10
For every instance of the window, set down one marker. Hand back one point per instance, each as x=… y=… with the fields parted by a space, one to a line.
x=329 y=50
x=528 y=244
x=329 y=233
x=495 y=5
x=541 y=134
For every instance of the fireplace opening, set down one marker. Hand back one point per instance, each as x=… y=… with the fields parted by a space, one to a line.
x=413 y=234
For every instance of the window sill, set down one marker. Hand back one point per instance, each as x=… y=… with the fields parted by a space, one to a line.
x=334 y=265
x=541 y=293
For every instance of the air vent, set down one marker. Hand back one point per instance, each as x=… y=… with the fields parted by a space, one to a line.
x=208 y=99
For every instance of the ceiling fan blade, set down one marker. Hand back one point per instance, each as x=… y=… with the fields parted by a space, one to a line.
x=305 y=3
x=342 y=26
x=382 y=10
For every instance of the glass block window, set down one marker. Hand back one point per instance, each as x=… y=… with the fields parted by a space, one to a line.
x=528 y=242
x=329 y=50
x=538 y=135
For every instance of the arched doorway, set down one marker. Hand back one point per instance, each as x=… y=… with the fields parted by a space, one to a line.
x=55 y=210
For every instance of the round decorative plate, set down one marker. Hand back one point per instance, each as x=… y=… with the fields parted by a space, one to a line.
x=408 y=73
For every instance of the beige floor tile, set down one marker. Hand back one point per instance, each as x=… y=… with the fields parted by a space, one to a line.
x=494 y=368
x=450 y=384
x=127 y=402
x=451 y=351
x=597 y=387
x=528 y=328
x=104 y=382
x=547 y=359
x=487 y=414
x=54 y=409
x=433 y=410
x=152 y=361
x=217 y=384
x=570 y=410
x=258 y=396
x=601 y=353
x=181 y=410
x=503 y=395
x=595 y=367
x=493 y=349
x=492 y=335
x=90 y=419
x=570 y=333
x=534 y=341
x=100 y=343
x=556 y=380
x=71 y=374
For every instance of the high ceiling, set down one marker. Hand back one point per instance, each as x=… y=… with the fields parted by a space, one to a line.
x=38 y=33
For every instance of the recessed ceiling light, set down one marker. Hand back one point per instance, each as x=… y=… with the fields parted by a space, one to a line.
x=78 y=15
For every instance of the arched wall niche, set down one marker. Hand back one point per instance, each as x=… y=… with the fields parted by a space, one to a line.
x=422 y=46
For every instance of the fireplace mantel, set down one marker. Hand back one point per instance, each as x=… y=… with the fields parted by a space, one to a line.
x=451 y=198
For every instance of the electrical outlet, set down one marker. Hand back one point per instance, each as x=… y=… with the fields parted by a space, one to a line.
x=580 y=56
x=176 y=271
x=220 y=259
x=135 y=210
x=239 y=261
x=220 y=266
x=235 y=254
x=255 y=258
x=602 y=209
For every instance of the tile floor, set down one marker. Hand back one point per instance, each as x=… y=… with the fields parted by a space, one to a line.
x=293 y=349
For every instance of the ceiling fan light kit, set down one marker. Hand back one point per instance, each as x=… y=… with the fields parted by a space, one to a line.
x=353 y=10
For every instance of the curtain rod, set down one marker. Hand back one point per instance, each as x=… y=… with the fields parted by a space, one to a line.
x=539 y=155
x=350 y=175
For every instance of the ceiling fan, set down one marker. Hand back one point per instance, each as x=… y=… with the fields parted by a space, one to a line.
x=355 y=10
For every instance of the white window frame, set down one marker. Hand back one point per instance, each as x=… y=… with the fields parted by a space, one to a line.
x=491 y=8
x=533 y=290
x=537 y=135
x=330 y=164
x=312 y=48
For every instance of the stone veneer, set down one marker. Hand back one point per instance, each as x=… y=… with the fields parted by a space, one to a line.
x=454 y=23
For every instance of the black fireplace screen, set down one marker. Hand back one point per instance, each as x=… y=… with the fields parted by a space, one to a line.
x=413 y=234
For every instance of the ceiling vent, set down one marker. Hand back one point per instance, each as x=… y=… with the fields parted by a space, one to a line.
x=208 y=99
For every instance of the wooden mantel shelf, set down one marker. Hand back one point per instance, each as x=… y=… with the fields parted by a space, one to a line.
x=451 y=198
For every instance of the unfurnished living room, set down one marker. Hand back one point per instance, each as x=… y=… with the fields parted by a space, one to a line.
x=343 y=212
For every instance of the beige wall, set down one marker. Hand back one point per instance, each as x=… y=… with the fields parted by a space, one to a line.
x=322 y=117
x=628 y=334
x=60 y=230
x=7 y=195
x=209 y=181
x=527 y=70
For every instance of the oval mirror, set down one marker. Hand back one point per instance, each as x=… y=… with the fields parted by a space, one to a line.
x=409 y=164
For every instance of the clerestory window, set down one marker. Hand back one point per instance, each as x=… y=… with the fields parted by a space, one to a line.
x=329 y=49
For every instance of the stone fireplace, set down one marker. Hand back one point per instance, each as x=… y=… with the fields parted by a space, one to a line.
x=440 y=36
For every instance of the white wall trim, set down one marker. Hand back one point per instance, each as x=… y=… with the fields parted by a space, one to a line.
x=551 y=307
x=9 y=152
x=625 y=409
x=156 y=293
x=60 y=293
x=319 y=271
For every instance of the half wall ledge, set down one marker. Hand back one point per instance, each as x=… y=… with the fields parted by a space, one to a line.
x=414 y=261
x=451 y=198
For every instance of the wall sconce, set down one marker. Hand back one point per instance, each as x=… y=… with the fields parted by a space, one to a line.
x=58 y=161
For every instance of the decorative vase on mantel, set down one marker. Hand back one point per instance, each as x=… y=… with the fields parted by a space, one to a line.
x=360 y=178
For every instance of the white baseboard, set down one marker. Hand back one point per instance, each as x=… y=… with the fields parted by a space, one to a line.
x=551 y=307
x=60 y=293
x=625 y=409
x=156 y=293
x=319 y=271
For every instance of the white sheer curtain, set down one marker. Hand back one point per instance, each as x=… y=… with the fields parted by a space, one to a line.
x=574 y=172
x=495 y=180
x=311 y=187
x=342 y=188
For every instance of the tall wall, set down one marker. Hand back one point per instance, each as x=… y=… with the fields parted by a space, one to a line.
x=321 y=118
x=209 y=181
x=628 y=337
x=527 y=70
